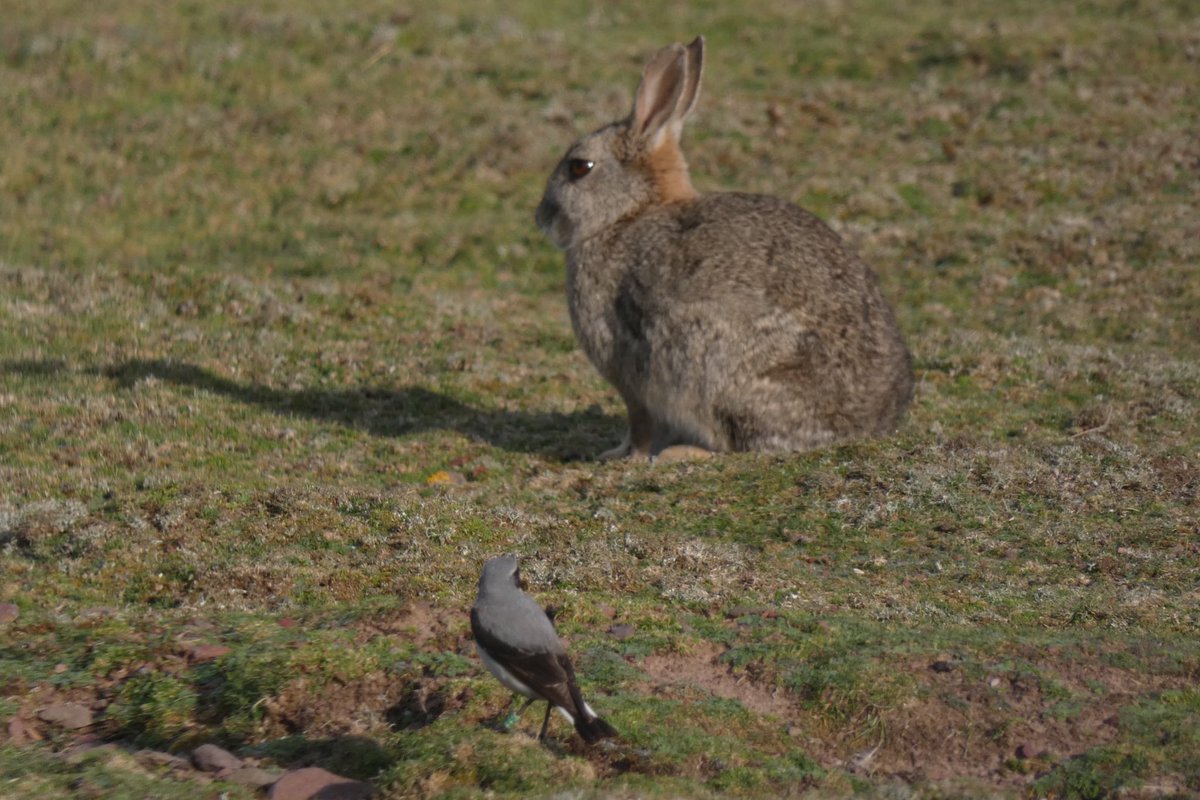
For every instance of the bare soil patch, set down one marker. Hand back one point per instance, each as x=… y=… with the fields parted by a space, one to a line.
x=999 y=727
x=678 y=673
x=420 y=624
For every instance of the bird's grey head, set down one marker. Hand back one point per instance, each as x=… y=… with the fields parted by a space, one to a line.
x=499 y=573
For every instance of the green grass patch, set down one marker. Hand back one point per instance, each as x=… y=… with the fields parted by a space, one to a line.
x=264 y=272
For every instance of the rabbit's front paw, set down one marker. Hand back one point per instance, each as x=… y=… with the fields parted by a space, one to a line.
x=625 y=449
x=622 y=450
x=682 y=452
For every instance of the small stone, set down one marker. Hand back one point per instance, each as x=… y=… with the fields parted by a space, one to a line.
x=253 y=776
x=210 y=758
x=8 y=612
x=942 y=665
x=70 y=716
x=1028 y=750
x=314 y=783
x=622 y=631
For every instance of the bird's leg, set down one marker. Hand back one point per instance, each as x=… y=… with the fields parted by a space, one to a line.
x=510 y=716
x=546 y=721
x=511 y=720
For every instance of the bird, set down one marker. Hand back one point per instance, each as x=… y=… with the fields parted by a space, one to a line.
x=517 y=642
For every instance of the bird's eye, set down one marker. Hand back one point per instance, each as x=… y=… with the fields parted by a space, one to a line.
x=578 y=167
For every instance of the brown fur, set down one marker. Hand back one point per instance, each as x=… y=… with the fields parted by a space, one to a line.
x=669 y=173
x=726 y=321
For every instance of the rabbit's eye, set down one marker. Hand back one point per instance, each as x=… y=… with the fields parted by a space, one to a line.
x=578 y=167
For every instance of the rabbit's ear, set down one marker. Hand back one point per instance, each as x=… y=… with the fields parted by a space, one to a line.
x=664 y=81
x=691 y=87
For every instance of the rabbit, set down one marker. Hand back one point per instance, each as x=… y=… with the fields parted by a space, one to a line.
x=726 y=321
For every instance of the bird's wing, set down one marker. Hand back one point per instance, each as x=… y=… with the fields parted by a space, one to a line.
x=549 y=674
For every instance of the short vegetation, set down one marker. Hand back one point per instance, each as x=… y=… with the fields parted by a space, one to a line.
x=283 y=359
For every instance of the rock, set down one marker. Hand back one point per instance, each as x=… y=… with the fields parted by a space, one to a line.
x=314 y=783
x=942 y=665
x=253 y=776
x=8 y=612
x=1027 y=750
x=210 y=758
x=70 y=716
x=621 y=631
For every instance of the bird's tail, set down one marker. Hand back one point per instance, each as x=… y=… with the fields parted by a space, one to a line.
x=593 y=729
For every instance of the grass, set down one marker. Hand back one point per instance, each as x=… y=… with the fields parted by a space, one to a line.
x=267 y=271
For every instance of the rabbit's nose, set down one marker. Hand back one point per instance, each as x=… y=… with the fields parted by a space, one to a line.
x=547 y=210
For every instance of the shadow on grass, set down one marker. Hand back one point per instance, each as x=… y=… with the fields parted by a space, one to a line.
x=34 y=368
x=389 y=411
x=354 y=757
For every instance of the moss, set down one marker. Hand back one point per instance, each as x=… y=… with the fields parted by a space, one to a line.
x=154 y=709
